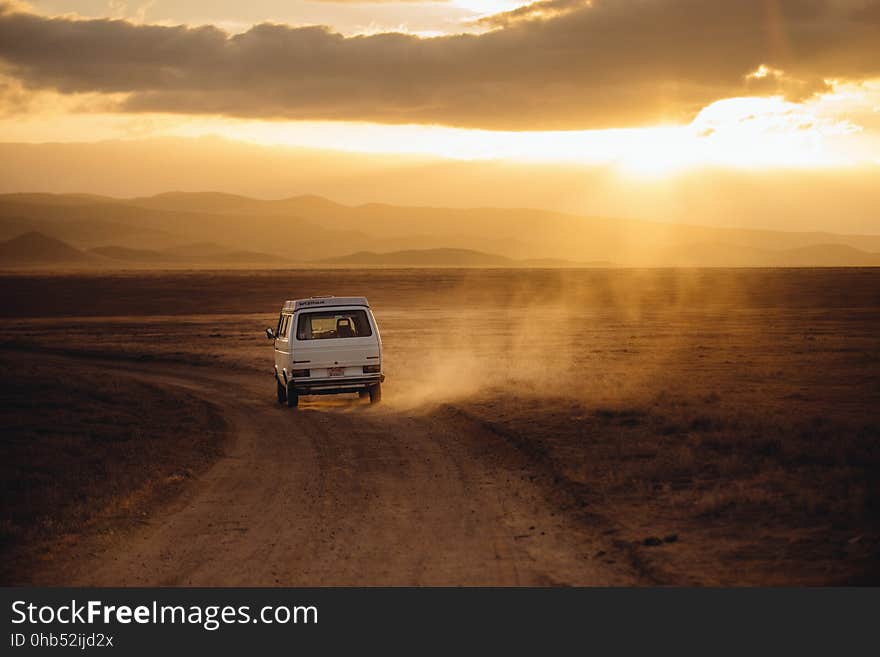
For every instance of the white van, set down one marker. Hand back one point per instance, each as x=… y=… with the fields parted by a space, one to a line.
x=327 y=346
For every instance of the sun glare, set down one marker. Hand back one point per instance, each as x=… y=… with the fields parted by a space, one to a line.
x=737 y=132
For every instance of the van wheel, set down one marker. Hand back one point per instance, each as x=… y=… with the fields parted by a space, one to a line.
x=376 y=393
x=282 y=393
x=292 y=399
x=363 y=394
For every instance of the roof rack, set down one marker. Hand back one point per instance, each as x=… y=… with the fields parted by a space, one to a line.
x=324 y=302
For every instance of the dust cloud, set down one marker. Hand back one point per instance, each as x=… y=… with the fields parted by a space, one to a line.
x=584 y=335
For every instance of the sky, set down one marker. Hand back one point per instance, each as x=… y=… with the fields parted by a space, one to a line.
x=656 y=89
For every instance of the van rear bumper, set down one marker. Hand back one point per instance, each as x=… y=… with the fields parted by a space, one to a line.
x=335 y=385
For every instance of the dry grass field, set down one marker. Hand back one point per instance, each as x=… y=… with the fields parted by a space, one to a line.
x=86 y=450
x=701 y=426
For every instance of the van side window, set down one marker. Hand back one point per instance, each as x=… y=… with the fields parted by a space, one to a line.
x=280 y=322
x=333 y=324
x=285 y=327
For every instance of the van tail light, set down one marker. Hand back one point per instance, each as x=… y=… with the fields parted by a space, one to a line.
x=372 y=369
x=299 y=373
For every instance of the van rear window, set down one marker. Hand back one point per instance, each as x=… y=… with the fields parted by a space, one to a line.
x=333 y=324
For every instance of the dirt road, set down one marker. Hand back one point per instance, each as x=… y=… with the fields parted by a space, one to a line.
x=338 y=492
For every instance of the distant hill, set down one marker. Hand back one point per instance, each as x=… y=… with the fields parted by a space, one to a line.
x=34 y=248
x=119 y=222
x=211 y=228
x=213 y=202
x=558 y=263
x=449 y=258
x=126 y=254
x=220 y=203
x=254 y=258
x=84 y=225
x=423 y=258
x=197 y=250
x=194 y=255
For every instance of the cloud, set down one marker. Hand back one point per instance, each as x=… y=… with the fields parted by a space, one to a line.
x=540 y=10
x=556 y=64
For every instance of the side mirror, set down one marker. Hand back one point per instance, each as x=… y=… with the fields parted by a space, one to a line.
x=270 y=334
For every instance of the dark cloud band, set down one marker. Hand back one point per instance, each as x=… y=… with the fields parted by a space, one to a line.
x=609 y=63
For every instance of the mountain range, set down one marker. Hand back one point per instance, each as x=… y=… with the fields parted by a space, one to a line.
x=178 y=229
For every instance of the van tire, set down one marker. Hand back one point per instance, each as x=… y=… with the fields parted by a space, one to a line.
x=376 y=393
x=292 y=398
x=282 y=392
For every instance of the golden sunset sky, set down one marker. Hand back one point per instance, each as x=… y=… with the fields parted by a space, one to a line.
x=655 y=90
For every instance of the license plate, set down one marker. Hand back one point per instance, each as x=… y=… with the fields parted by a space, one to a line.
x=336 y=371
